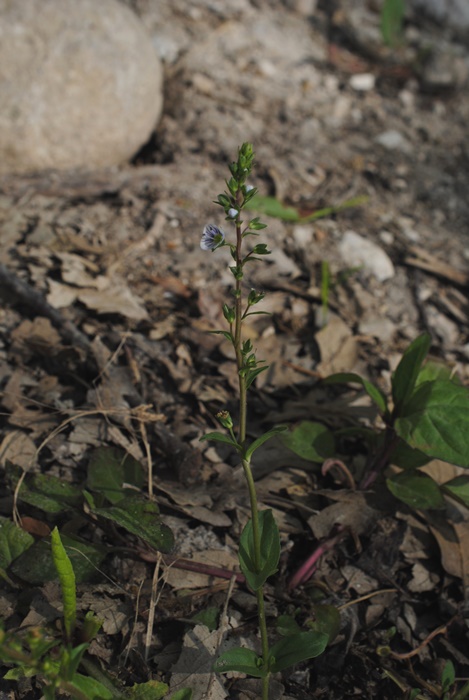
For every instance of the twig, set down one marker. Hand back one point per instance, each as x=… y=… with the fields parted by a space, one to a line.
x=153 y=603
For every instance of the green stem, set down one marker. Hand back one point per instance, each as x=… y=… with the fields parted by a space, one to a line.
x=246 y=464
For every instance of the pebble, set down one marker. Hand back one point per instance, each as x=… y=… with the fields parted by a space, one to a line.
x=362 y=82
x=81 y=84
x=357 y=251
x=393 y=140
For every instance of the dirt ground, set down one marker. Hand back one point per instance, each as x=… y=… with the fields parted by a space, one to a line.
x=334 y=116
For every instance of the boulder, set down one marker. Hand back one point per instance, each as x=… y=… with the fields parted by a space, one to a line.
x=80 y=84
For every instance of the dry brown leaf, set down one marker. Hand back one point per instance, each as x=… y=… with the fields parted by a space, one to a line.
x=194 y=667
x=18 y=448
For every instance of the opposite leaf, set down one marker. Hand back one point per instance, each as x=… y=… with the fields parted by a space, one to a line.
x=295 y=648
x=242 y=660
x=351 y=378
x=257 y=573
x=263 y=438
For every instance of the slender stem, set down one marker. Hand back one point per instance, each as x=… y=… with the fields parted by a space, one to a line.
x=246 y=464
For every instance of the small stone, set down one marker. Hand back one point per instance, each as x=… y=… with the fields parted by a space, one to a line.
x=80 y=84
x=393 y=140
x=362 y=82
x=357 y=251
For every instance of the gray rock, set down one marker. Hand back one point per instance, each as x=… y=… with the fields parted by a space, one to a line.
x=393 y=140
x=357 y=251
x=80 y=84
x=455 y=13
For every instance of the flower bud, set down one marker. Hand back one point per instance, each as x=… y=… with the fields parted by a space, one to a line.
x=232 y=213
x=225 y=419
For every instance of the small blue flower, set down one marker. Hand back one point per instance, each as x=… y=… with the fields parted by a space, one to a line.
x=212 y=237
x=233 y=213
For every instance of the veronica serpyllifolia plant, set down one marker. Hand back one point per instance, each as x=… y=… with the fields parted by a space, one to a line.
x=259 y=547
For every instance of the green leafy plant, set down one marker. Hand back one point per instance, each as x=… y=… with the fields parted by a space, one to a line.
x=55 y=661
x=259 y=547
x=392 y=21
x=426 y=417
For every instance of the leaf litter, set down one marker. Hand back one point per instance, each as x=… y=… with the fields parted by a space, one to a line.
x=115 y=255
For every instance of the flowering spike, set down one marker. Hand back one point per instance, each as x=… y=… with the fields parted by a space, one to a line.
x=212 y=237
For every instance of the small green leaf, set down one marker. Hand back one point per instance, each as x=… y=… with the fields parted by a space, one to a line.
x=151 y=690
x=296 y=648
x=73 y=658
x=109 y=469
x=406 y=457
x=140 y=517
x=448 y=676
x=93 y=689
x=208 y=617
x=435 y=420
x=13 y=542
x=310 y=440
x=326 y=620
x=221 y=437
x=257 y=574
x=351 y=378
x=183 y=694
x=286 y=624
x=226 y=334
x=253 y=373
x=416 y=490
x=67 y=582
x=433 y=370
x=458 y=488
x=242 y=660
x=407 y=371
x=263 y=438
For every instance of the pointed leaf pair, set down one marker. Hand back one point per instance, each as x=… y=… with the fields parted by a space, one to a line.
x=221 y=437
x=257 y=572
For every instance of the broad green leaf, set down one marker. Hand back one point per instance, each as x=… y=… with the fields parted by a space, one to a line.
x=286 y=624
x=36 y=565
x=263 y=438
x=46 y=492
x=407 y=371
x=140 y=517
x=67 y=582
x=351 y=378
x=436 y=370
x=220 y=437
x=295 y=648
x=310 y=440
x=242 y=660
x=326 y=620
x=416 y=490
x=93 y=689
x=435 y=420
x=151 y=690
x=256 y=575
x=458 y=488
x=13 y=542
x=109 y=469
x=406 y=457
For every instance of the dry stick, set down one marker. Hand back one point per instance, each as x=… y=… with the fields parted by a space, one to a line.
x=153 y=602
x=22 y=292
